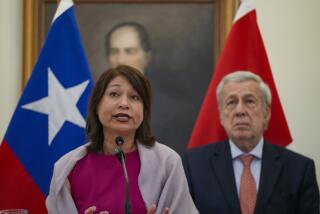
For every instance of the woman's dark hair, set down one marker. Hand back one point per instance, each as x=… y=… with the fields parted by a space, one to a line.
x=141 y=84
x=140 y=30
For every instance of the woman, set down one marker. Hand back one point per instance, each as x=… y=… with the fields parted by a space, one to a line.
x=90 y=178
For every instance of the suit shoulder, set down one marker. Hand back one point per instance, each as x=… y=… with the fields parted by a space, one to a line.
x=205 y=150
x=291 y=155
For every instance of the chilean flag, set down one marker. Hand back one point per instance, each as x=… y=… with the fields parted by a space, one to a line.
x=243 y=50
x=49 y=119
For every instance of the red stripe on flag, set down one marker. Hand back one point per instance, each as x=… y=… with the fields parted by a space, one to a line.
x=243 y=50
x=17 y=189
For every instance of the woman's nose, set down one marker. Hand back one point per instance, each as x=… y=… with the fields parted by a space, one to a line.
x=124 y=103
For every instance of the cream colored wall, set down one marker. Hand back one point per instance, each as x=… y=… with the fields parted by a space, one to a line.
x=291 y=32
x=10 y=59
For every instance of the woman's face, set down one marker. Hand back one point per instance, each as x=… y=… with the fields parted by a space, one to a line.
x=121 y=107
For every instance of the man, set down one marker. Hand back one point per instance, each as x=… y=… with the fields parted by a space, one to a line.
x=246 y=174
x=128 y=43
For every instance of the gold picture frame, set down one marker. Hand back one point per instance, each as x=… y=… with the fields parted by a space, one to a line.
x=186 y=37
x=34 y=23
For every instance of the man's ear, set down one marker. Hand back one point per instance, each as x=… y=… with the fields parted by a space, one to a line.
x=267 y=115
x=220 y=116
x=268 y=112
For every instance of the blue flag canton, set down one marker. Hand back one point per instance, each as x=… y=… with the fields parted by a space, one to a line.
x=50 y=117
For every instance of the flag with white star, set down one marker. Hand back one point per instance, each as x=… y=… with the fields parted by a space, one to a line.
x=49 y=119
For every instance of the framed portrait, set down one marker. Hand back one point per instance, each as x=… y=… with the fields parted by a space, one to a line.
x=186 y=37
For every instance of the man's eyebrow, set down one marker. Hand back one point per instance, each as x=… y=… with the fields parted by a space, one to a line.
x=249 y=95
x=231 y=96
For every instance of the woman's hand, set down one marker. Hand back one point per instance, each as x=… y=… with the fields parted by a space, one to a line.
x=152 y=210
x=92 y=209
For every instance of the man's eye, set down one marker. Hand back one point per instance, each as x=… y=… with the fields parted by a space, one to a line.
x=231 y=103
x=113 y=51
x=131 y=51
x=250 y=101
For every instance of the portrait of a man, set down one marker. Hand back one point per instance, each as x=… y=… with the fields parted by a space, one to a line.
x=172 y=44
x=128 y=43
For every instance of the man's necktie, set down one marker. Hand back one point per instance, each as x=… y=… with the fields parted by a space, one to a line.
x=248 y=192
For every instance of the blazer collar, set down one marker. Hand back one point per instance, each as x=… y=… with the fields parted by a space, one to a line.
x=221 y=162
x=270 y=170
x=271 y=165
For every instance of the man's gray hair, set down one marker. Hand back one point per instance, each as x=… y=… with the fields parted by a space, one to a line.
x=243 y=76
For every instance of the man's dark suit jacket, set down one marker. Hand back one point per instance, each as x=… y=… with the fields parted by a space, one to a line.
x=287 y=183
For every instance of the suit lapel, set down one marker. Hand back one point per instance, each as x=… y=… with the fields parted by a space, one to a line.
x=223 y=169
x=270 y=171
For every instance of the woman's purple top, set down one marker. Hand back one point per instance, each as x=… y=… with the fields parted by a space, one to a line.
x=98 y=180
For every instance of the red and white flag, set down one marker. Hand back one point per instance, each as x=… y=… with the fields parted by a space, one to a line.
x=243 y=50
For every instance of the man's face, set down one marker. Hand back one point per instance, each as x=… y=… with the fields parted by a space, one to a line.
x=243 y=113
x=126 y=49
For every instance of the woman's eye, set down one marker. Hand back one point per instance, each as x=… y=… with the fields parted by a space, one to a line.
x=113 y=94
x=135 y=97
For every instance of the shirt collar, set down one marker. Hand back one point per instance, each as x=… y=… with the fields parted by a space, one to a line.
x=256 y=151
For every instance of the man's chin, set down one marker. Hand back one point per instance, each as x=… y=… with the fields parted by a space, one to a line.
x=241 y=131
x=242 y=136
x=241 y=127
